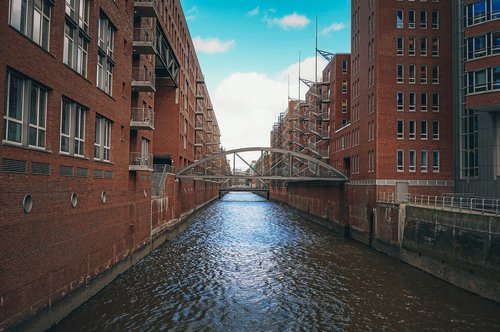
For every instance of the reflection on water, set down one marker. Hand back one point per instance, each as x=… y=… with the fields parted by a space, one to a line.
x=246 y=264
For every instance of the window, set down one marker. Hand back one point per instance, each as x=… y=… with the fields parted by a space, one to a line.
x=344 y=105
x=435 y=130
x=400 y=101
x=435 y=46
x=400 y=45
x=423 y=102
x=102 y=143
x=435 y=102
x=476 y=12
x=105 y=61
x=411 y=75
x=401 y=129
x=399 y=19
x=32 y=19
x=435 y=74
x=411 y=46
x=435 y=161
x=469 y=144
x=412 y=131
x=412 y=162
x=423 y=19
x=76 y=39
x=25 y=114
x=411 y=19
x=412 y=103
x=344 y=66
x=423 y=74
x=435 y=19
x=483 y=80
x=400 y=163
x=423 y=130
x=423 y=46
x=423 y=161
x=344 y=86
x=72 y=128
x=400 y=73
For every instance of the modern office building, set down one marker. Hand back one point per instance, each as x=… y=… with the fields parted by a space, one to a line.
x=476 y=92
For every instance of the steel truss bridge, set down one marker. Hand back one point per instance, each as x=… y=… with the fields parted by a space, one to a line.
x=273 y=165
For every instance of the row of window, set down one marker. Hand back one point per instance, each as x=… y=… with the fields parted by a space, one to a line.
x=482 y=11
x=412 y=74
x=412 y=18
x=412 y=46
x=412 y=129
x=25 y=120
x=482 y=45
x=32 y=18
x=483 y=80
x=412 y=161
x=412 y=101
x=469 y=143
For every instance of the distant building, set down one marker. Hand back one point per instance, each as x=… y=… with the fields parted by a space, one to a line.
x=476 y=97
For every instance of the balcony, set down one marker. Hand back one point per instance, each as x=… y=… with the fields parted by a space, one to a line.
x=144 y=41
x=146 y=8
x=142 y=118
x=140 y=161
x=143 y=80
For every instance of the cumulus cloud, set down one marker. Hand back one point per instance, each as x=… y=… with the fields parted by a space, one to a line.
x=332 y=27
x=292 y=21
x=248 y=104
x=212 y=45
x=254 y=12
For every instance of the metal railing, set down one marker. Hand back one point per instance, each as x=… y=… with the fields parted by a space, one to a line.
x=139 y=160
x=143 y=116
x=143 y=75
x=145 y=35
x=449 y=201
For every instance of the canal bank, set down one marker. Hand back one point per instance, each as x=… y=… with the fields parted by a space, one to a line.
x=246 y=264
x=134 y=231
x=460 y=247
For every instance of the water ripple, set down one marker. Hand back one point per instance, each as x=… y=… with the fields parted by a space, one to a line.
x=246 y=264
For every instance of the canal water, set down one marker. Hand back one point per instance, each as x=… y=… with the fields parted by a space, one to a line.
x=245 y=264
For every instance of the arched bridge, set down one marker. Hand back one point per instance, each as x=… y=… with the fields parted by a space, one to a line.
x=273 y=164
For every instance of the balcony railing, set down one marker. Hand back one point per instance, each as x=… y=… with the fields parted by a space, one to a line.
x=146 y=8
x=140 y=161
x=142 y=118
x=143 y=80
x=144 y=41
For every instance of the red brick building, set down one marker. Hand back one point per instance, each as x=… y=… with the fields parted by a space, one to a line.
x=103 y=91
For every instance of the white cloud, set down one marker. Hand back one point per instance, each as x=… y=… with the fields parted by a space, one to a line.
x=248 y=104
x=254 y=12
x=292 y=21
x=212 y=45
x=191 y=13
x=332 y=27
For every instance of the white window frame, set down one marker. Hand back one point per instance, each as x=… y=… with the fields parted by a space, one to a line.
x=34 y=22
x=435 y=130
x=75 y=134
x=102 y=143
x=424 y=161
x=412 y=161
x=423 y=107
x=400 y=156
x=412 y=129
x=400 y=133
x=30 y=115
x=436 y=163
x=105 y=62
x=424 y=130
x=400 y=107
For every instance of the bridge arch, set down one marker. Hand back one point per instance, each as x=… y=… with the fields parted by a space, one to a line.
x=274 y=164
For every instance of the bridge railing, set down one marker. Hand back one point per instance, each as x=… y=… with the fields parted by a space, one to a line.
x=448 y=201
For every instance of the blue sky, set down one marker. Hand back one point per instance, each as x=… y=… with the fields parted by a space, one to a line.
x=249 y=49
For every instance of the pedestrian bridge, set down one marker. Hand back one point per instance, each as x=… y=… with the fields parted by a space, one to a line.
x=273 y=164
